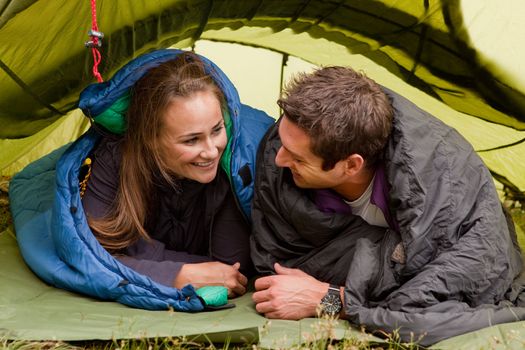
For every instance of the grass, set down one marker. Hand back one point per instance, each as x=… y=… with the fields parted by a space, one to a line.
x=320 y=343
x=5 y=216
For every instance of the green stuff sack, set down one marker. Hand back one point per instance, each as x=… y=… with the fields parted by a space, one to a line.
x=213 y=296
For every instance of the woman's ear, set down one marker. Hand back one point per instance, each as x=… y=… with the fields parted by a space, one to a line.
x=355 y=163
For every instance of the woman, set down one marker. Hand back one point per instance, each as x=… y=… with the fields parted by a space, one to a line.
x=158 y=197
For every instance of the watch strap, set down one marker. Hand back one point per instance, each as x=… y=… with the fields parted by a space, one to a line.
x=334 y=288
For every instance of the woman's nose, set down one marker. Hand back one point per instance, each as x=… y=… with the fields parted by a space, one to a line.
x=210 y=149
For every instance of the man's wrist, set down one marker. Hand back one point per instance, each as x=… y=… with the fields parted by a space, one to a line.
x=320 y=291
x=331 y=303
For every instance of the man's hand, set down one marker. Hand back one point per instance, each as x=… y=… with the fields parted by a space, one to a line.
x=213 y=274
x=291 y=294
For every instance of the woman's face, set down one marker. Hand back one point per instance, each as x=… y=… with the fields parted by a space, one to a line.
x=193 y=136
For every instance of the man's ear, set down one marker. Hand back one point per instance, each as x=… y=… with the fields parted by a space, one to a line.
x=354 y=164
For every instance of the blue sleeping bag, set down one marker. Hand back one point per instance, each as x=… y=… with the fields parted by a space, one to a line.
x=51 y=227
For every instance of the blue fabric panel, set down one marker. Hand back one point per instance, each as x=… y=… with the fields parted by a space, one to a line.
x=31 y=195
x=253 y=124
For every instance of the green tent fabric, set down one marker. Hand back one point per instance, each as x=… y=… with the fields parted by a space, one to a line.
x=466 y=54
x=460 y=60
x=427 y=43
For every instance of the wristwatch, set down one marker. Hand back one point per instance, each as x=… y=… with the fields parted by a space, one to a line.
x=331 y=304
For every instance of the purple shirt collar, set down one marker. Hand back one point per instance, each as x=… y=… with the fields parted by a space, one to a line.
x=329 y=201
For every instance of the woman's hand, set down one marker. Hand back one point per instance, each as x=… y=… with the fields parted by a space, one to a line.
x=213 y=274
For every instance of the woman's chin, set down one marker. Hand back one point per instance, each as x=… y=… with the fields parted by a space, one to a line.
x=204 y=175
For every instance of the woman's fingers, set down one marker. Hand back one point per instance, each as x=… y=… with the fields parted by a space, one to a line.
x=236 y=282
x=239 y=290
x=242 y=279
x=213 y=274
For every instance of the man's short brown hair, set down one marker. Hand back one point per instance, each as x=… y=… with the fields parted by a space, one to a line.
x=342 y=111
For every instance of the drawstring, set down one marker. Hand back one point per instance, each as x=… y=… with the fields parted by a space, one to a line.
x=86 y=167
x=95 y=42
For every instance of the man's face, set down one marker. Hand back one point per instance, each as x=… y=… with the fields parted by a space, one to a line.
x=306 y=167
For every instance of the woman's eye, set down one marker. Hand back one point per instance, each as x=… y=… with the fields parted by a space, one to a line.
x=191 y=141
x=217 y=130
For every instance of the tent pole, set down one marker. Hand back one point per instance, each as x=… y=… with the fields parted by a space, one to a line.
x=281 y=81
x=27 y=89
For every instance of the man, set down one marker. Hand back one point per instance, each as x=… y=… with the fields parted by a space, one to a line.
x=368 y=208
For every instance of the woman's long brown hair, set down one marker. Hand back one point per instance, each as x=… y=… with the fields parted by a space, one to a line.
x=142 y=162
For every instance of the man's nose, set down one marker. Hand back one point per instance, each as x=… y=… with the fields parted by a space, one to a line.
x=282 y=159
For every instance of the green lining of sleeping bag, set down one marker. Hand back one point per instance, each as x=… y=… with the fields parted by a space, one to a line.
x=113 y=118
x=226 y=155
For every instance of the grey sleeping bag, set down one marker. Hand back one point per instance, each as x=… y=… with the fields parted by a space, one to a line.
x=451 y=268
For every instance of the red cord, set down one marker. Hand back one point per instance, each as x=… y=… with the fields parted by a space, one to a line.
x=97 y=57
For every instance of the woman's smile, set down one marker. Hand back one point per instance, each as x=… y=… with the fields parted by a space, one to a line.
x=194 y=136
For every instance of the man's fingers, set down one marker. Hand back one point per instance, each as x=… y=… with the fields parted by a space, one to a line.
x=264 y=307
x=237 y=265
x=269 y=311
x=263 y=283
x=281 y=270
x=261 y=296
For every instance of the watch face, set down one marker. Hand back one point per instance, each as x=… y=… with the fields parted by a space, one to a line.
x=331 y=304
